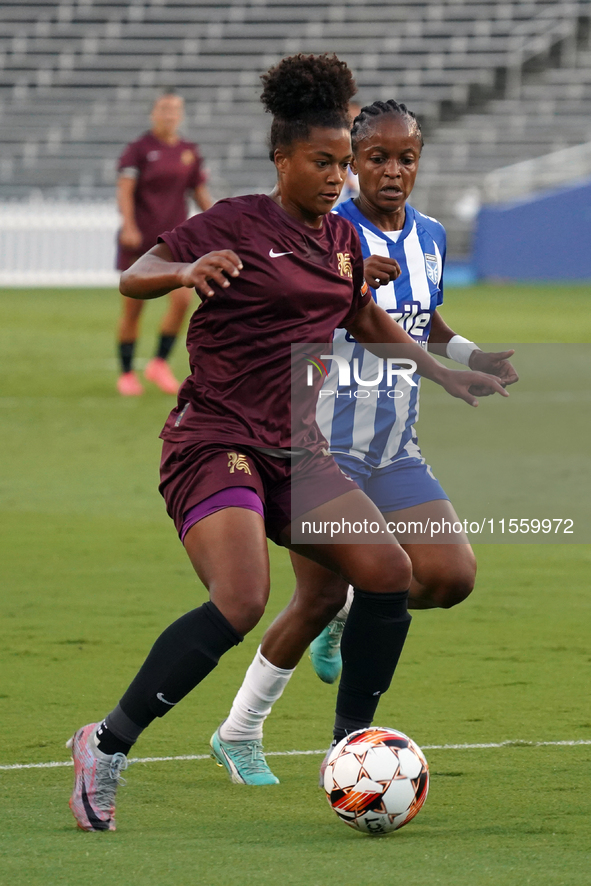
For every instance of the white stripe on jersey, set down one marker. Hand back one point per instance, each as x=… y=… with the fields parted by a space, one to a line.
x=415 y=259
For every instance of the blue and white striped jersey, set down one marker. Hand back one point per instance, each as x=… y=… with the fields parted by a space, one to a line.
x=377 y=429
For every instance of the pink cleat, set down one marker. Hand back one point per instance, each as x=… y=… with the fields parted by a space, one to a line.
x=159 y=372
x=128 y=385
x=96 y=778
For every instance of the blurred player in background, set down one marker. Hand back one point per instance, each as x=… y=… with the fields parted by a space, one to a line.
x=155 y=174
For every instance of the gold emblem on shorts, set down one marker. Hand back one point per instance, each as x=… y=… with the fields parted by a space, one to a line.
x=345 y=266
x=238 y=462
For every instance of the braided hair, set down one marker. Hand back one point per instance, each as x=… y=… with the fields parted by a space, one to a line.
x=304 y=91
x=366 y=119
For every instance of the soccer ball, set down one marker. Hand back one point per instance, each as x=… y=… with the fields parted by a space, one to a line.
x=376 y=780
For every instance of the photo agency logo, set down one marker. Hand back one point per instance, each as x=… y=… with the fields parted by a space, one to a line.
x=390 y=371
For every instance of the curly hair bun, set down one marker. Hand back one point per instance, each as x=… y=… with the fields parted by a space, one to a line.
x=305 y=85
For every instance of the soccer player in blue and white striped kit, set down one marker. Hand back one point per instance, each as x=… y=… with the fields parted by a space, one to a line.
x=374 y=442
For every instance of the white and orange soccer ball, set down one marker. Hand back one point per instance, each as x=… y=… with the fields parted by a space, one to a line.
x=376 y=780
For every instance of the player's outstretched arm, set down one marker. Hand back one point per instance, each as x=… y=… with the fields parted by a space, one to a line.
x=155 y=273
x=373 y=326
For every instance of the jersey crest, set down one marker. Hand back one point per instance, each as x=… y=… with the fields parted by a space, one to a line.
x=432 y=268
x=238 y=462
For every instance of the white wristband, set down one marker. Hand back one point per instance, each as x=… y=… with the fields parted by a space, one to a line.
x=460 y=348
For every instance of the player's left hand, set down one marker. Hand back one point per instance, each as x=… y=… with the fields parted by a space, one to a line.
x=494 y=363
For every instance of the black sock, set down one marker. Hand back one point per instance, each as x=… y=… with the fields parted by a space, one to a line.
x=117 y=733
x=165 y=345
x=372 y=642
x=109 y=743
x=182 y=656
x=126 y=351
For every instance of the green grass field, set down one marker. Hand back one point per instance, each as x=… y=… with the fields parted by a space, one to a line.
x=92 y=571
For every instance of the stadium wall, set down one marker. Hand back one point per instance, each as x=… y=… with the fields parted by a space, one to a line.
x=49 y=243
x=544 y=237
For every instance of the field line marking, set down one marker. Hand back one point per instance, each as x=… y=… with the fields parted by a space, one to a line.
x=426 y=747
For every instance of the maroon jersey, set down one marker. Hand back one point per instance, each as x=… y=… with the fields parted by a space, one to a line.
x=297 y=285
x=164 y=173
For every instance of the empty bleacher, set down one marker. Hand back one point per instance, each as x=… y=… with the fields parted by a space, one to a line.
x=493 y=82
x=548 y=111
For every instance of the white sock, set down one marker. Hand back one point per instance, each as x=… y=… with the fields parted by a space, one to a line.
x=263 y=685
x=344 y=612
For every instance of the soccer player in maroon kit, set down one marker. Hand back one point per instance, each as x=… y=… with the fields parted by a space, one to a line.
x=272 y=271
x=155 y=174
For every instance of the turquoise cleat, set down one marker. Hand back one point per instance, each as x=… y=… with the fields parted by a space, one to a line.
x=244 y=760
x=325 y=651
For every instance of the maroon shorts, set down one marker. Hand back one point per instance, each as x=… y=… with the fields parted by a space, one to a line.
x=191 y=472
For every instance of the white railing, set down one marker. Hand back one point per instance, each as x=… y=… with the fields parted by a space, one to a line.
x=558 y=168
x=44 y=243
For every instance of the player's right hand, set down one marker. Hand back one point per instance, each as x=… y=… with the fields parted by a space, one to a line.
x=216 y=266
x=130 y=237
x=379 y=270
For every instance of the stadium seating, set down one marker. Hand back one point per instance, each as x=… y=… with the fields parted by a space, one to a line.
x=493 y=82
x=550 y=110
